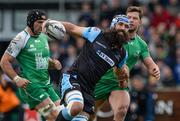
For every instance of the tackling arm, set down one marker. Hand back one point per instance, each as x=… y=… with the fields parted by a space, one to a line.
x=73 y=29
x=153 y=69
x=122 y=75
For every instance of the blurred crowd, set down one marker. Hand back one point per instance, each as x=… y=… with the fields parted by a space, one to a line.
x=160 y=29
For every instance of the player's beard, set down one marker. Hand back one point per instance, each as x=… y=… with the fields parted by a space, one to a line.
x=133 y=28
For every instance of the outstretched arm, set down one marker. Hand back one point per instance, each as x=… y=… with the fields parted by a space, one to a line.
x=153 y=69
x=73 y=29
x=70 y=27
x=89 y=33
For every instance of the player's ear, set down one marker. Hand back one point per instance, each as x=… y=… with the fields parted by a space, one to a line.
x=140 y=21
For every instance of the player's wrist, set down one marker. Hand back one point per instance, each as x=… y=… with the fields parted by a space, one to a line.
x=16 y=79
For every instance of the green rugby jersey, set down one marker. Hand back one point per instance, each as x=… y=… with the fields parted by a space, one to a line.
x=137 y=50
x=32 y=53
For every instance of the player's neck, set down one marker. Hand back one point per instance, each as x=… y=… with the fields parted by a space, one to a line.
x=29 y=31
x=132 y=34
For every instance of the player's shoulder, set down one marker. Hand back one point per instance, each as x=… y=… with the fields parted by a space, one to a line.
x=140 y=40
x=93 y=29
x=91 y=33
x=21 y=36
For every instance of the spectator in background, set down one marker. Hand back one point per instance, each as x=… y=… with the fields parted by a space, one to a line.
x=79 y=44
x=177 y=66
x=104 y=11
x=116 y=8
x=10 y=105
x=141 y=98
x=104 y=23
x=177 y=20
x=167 y=78
x=160 y=15
x=72 y=54
x=86 y=15
x=54 y=53
x=173 y=7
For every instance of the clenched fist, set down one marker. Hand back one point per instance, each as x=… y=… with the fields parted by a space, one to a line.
x=21 y=82
x=54 y=64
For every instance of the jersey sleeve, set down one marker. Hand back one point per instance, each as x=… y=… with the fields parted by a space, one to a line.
x=144 y=50
x=123 y=61
x=90 y=33
x=16 y=45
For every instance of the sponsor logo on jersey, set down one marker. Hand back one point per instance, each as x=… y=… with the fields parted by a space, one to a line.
x=18 y=37
x=136 y=54
x=96 y=29
x=41 y=96
x=37 y=40
x=10 y=48
x=41 y=62
x=31 y=48
x=105 y=58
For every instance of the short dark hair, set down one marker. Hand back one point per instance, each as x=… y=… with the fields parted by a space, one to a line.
x=115 y=38
x=135 y=9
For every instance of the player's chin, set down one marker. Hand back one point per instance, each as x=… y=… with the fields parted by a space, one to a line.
x=38 y=33
x=132 y=30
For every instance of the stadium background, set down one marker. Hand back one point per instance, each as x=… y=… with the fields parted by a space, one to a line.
x=160 y=29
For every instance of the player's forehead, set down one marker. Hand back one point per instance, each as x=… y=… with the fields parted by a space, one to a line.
x=40 y=21
x=133 y=14
x=123 y=23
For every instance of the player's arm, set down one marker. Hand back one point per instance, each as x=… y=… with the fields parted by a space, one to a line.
x=89 y=33
x=122 y=71
x=6 y=63
x=73 y=29
x=153 y=69
x=54 y=64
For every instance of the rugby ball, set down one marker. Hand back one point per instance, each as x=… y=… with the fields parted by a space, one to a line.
x=55 y=30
